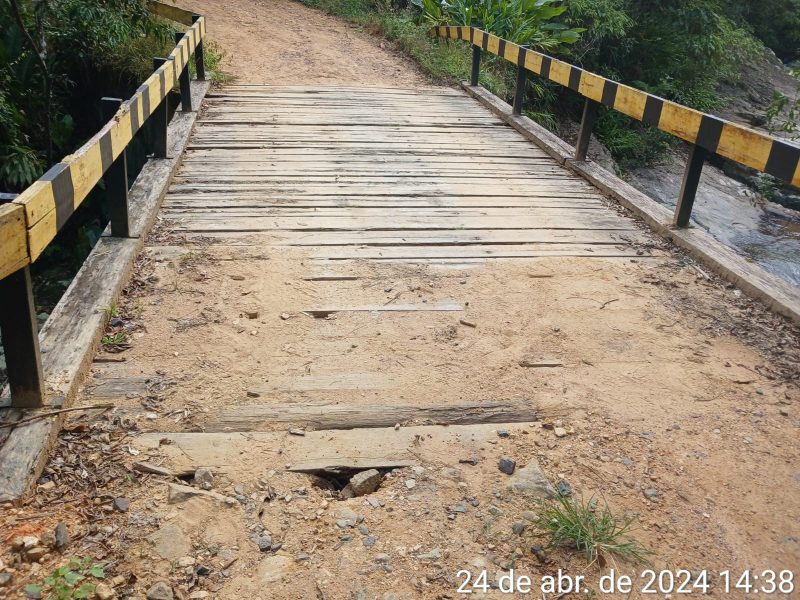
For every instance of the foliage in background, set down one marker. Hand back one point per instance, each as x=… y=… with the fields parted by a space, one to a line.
x=520 y=21
x=66 y=55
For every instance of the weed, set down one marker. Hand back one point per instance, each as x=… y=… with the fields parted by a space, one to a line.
x=597 y=532
x=69 y=581
x=111 y=311
x=115 y=341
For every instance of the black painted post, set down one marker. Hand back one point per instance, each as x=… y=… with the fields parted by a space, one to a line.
x=20 y=334
x=160 y=118
x=186 y=90
x=199 y=59
x=476 y=65
x=116 y=179
x=590 y=109
x=691 y=179
x=522 y=82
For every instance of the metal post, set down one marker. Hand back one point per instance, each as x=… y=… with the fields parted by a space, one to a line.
x=186 y=90
x=691 y=179
x=199 y=59
x=476 y=65
x=116 y=179
x=160 y=118
x=519 y=94
x=590 y=109
x=20 y=334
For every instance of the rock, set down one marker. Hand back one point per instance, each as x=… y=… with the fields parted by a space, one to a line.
x=264 y=543
x=5 y=579
x=146 y=467
x=302 y=557
x=170 y=542
x=506 y=465
x=369 y=541
x=564 y=489
x=122 y=504
x=459 y=508
x=345 y=523
x=253 y=394
x=285 y=316
x=236 y=278
x=347 y=492
x=411 y=484
x=433 y=555
x=374 y=502
x=518 y=527
x=350 y=515
x=273 y=568
x=531 y=480
x=472 y=460
x=251 y=314
x=299 y=432
x=466 y=323
x=651 y=493
x=503 y=433
x=62 y=536
x=37 y=553
x=538 y=552
x=559 y=432
x=103 y=591
x=382 y=558
x=529 y=515
x=204 y=478
x=181 y=493
x=160 y=590
x=186 y=561
x=365 y=482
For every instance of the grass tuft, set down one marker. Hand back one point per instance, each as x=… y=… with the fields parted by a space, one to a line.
x=596 y=532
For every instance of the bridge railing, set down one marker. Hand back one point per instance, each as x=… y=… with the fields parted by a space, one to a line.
x=31 y=220
x=706 y=133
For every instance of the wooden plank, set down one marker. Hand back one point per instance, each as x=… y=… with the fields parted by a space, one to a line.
x=13 y=239
x=330 y=415
x=321 y=313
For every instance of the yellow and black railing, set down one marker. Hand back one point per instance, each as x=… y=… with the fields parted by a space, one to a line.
x=706 y=133
x=30 y=221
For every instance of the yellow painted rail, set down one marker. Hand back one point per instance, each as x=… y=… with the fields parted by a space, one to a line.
x=47 y=203
x=746 y=146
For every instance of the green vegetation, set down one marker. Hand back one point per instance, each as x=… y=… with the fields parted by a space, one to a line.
x=73 y=580
x=679 y=49
x=595 y=531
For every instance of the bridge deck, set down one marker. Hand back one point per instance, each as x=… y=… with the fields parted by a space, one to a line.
x=384 y=174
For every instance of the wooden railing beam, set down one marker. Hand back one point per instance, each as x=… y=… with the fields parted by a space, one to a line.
x=185 y=85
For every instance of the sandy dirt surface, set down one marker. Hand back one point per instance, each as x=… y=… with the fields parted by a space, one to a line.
x=280 y=41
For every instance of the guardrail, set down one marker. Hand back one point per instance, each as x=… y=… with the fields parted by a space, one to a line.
x=706 y=133
x=30 y=221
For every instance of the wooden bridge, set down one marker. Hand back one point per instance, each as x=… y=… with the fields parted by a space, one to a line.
x=348 y=178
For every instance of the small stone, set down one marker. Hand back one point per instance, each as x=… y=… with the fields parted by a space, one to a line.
x=204 y=478
x=518 y=527
x=122 y=504
x=186 y=561
x=62 y=536
x=396 y=426
x=37 y=553
x=466 y=323
x=302 y=557
x=472 y=460
x=46 y=486
x=431 y=556
x=285 y=316
x=5 y=579
x=503 y=433
x=298 y=432
x=382 y=558
x=264 y=543
x=160 y=590
x=276 y=546
x=251 y=314
x=369 y=541
x=374 y=502
x=253 y=394
x=344 y=523
x=506 y=465
x=564 y=488
x=531 y=480
x=363 y=529
x=103 y=591
x=529 y=515
x=783 y=412
x=651 y=493
x=411 y=483
x=235 y=278
x=459 y=508
x=559 y=432
x=365 y=482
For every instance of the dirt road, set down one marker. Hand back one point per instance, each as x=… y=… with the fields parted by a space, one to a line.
x=285 y=42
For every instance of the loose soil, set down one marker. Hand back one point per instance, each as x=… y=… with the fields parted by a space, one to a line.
x=677 y=397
